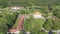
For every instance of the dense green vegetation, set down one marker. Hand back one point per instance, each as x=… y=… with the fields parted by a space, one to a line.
x=33 y=25
x=48 y=24
x=52 y=24
x=25 y=3
x=7 y=19
x=56 y=11
x=48 y=8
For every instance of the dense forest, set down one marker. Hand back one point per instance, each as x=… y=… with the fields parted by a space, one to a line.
x=25 y=3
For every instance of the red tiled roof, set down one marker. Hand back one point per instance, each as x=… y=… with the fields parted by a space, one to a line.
x=20 y=25
x=13 y=30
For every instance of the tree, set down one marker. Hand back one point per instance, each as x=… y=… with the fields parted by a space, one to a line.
x=56 y=11
x=3 y=26
x=56 y=24
x=36 y=25
x=33 y=26
x=48 y=24
x=26 y=11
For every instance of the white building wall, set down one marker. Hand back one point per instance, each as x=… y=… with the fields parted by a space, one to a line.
x=38 y=16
